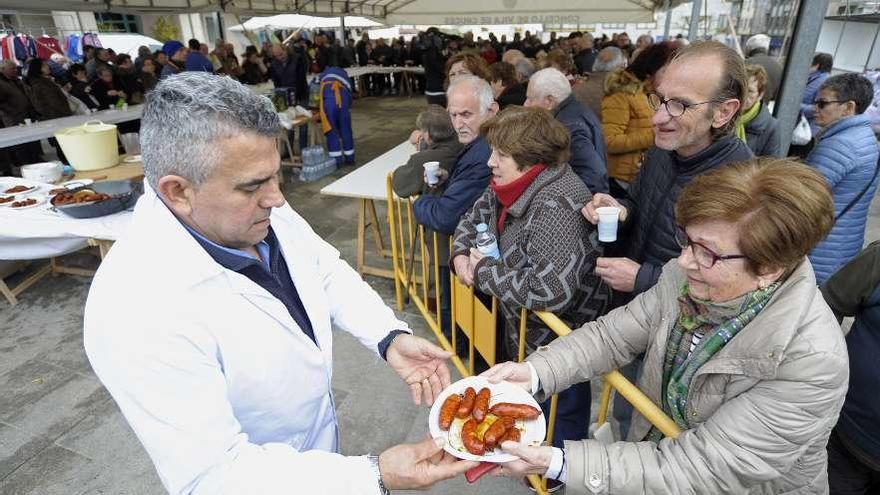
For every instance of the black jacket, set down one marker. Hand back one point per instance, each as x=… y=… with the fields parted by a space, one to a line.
x=291 y=73
x=587 y=143
x=652 y=197
x=854 y=290
x=362 y=57
x=762 y=134
x=584 y=60
x=82 y=91
x=100 y=90
x=382 y=55
x=285 y=74
x=513 y=95
x=435 y=69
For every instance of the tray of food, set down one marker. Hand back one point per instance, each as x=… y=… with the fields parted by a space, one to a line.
x=28 y=202
x=18 y=189
x=475 y=417
x=97 y=200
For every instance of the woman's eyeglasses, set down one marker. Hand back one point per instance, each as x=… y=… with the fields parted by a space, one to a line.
x=821 y=104
x=675 y=108
x=704 y=256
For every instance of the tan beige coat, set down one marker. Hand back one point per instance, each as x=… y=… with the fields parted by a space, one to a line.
x=765 y=403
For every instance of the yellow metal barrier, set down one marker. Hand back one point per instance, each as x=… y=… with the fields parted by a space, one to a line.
x=409 y=247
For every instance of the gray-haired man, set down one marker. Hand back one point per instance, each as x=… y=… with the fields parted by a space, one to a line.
x=209 y=323
x=549 y=89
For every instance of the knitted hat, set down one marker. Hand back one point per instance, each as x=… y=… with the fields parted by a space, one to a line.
x=171 y=47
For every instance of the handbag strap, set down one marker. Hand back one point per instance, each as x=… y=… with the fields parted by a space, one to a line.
x=857 y=198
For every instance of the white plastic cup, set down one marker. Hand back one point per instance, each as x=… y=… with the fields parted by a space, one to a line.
x=431 y=169
x=608 y=216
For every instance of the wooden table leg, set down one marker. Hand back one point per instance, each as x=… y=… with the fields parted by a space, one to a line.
x=31 y=279
x=361 y=234
x=4 y=289
x=377 y=231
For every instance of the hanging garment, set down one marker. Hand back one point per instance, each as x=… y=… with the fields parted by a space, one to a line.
x=91 y=39
x=74 y=52
x=5 y=54
x=335 y=107
x=46 y=46
x=19 y=46
x=30 y=46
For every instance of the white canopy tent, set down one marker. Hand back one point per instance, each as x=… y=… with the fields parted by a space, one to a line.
x=298 y=21
x=547 y=12
x=440 y=12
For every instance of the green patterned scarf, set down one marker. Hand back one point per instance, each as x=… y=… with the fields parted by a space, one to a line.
x=680 y=364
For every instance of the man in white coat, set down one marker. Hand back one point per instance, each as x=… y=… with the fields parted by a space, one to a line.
x=210 y=321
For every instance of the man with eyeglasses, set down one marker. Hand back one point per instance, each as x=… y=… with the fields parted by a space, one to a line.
x=696 y=103
x=697 y=100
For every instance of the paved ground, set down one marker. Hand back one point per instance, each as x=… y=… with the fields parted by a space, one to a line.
x=61 y=433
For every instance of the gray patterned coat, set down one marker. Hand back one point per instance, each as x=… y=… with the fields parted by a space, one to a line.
x=548 y=253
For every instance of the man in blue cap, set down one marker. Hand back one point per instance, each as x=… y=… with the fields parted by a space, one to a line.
x=176 y=53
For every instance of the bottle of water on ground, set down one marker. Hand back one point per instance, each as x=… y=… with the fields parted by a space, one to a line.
x=486 y=242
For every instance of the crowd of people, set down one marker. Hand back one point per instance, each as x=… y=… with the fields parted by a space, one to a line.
x=712 y=298
x=719 y=235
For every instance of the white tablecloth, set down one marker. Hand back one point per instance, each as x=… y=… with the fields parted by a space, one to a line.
x=11 y=136
x=39 y=232
x=378 y=69
x=368 y=180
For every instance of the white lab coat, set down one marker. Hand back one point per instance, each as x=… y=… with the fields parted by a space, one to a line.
x=225 y=391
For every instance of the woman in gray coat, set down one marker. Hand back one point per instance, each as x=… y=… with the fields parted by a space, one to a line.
x=741 y=351
x=547 y=249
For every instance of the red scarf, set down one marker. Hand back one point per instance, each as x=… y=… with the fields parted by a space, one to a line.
x=509 y=193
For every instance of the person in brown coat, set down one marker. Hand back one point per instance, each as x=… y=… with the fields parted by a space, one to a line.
x=48 y=98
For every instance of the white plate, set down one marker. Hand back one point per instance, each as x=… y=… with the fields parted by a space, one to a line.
x=31 y=189
x=132 y=159
x=40 y=201
x=533 y=432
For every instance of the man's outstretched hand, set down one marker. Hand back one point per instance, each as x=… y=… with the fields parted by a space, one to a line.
x=421 y=365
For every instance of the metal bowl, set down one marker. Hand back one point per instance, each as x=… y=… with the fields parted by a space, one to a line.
x=124 y=195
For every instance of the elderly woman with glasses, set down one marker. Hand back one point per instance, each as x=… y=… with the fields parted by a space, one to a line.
x=846 y=154
x=547 y=250
x=740 y=350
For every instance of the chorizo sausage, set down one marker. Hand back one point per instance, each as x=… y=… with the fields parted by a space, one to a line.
x=511 y=435
x=518 y=411
x=469 y=438
x=448 y=410
x=467 y=404
x=481 y=404
x=497 y=430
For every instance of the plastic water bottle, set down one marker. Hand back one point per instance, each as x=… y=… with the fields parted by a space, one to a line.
x=486 y=242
